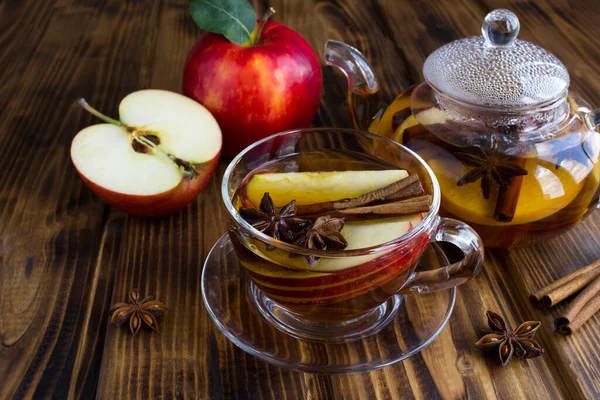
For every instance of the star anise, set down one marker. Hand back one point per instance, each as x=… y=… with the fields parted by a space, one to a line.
x=519 y=342
x=280 y=224
x=138 y=312
x=324 y=234
x=489 y=166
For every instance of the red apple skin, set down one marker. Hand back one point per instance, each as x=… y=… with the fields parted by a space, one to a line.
x=159 y=204
x=255 y=91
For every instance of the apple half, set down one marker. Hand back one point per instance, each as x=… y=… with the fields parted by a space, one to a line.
x=156 y=159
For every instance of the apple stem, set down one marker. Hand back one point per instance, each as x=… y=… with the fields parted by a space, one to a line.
x=97 y=113
x=263 y=21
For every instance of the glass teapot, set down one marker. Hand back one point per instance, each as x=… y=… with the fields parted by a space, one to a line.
x=515 y=152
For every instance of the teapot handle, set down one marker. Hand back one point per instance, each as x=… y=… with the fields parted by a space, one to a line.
x=592 y=118
x=364 y=95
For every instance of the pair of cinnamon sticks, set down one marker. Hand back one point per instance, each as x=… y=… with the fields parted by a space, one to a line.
x=583 y=307
x=403 y=197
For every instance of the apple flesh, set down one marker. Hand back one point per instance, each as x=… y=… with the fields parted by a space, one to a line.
x=156 y=159
x=257 y=90
x=317 y=187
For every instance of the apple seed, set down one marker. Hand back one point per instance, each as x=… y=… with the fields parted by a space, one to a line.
x=141 y=148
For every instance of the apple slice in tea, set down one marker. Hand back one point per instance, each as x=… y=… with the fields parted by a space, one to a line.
x=340 y=205
x=316 y=187
x=358 y=235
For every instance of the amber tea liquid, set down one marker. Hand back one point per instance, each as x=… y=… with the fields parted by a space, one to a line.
x=561 y=181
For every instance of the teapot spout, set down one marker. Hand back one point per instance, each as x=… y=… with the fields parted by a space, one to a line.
x=364 y=94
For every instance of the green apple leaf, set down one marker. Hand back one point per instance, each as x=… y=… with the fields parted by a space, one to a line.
x=235 y=19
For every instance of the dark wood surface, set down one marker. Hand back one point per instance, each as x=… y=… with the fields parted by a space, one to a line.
x=65 y=256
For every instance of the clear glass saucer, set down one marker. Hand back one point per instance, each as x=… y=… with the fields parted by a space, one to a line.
x=240 y=310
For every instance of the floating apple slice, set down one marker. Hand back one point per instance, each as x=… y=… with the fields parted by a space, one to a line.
x=317 y=284
x=409 y=122
x=318 y=287
x=156 y=159
x=358 y=234
x=431 y=116
x=317 y=187
x=362 y=234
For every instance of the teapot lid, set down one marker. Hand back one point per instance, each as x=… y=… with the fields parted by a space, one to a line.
x=497 y=70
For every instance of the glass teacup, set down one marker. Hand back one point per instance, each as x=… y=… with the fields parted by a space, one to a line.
x=344 y=295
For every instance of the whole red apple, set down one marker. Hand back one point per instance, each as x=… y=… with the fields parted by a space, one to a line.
x=255 y=90
x=154 y=160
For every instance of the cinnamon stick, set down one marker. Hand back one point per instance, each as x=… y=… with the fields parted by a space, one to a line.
x=413 y=190
x=508 y=196
x=561 y=289
x=367 y=198
x=399 y=117
x=585 y=305
x=402 y=207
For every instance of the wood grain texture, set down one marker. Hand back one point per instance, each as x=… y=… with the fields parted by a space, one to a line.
x=65 y=256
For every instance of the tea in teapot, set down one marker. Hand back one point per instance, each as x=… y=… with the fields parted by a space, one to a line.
x=515 y=152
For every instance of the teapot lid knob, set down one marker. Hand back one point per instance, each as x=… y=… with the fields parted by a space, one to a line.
x=500 y=27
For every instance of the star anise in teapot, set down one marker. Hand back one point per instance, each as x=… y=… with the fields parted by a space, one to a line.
x=324 y=234
x=488 y=166
x=518 y=343
x=281 y=224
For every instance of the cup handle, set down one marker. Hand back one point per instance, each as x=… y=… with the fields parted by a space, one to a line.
x=468 y=241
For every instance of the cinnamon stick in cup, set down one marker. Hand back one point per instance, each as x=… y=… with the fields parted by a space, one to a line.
x=402 y=207
x=561 y=289
x=413 y=190
x=585 y=305
x=403 y=187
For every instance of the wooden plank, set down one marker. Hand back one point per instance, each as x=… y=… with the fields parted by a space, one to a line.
x=54 y=295
x=23 y=26
x=50 y=227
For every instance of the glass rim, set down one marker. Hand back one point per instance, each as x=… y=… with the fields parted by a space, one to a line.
x=425 y=223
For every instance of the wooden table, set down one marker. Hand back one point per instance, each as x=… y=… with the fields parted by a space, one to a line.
x=65 y=256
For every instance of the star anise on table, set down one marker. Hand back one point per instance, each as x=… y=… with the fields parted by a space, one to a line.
x=519 y=342
x=138 y=312
x=324 y=234
x=281 y=224
x=489 y=166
